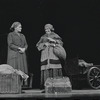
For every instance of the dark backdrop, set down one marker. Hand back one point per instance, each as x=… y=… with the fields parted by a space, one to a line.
x=76 y=21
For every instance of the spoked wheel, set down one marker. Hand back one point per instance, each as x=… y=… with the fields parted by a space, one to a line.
x=93 y=77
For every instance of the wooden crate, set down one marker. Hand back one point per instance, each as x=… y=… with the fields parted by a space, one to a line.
x=10 y=83
x=58 y=85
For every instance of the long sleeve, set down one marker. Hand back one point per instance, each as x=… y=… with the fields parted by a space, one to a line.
x=59 y=42
x=58 y=39
x=11 y=44
x=40 y=45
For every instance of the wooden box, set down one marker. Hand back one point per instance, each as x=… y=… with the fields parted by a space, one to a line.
x=10 y=83
x=58 y=85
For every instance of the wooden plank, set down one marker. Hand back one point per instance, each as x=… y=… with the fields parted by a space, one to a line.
x=38 y=94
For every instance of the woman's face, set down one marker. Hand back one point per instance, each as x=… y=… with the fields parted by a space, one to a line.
x=47 y=30
x=18 y=28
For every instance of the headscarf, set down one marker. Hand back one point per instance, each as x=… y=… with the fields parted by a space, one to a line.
x=15 y=24
x=49 y=26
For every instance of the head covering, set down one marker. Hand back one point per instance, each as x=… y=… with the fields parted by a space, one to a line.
x=49 y=26
x=15 y=24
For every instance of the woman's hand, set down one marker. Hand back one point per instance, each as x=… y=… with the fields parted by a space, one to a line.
x=47 y=44
x=21 y=50
x=52 y=44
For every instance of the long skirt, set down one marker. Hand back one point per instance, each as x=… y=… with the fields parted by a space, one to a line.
x=19 y=62
x=56 y=72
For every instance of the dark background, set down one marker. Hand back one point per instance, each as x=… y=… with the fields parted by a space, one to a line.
x=76 y=21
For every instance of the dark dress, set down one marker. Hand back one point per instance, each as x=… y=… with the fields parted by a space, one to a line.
x=16 y=59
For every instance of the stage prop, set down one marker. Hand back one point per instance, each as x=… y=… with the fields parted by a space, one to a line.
x=83 y=74
x=10 y=83
x=60 y=52
x=58 y=85
x=11 y=79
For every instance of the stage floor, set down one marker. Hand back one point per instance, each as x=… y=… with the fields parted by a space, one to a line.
x=36 y=93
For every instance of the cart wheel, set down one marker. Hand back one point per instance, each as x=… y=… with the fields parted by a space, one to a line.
x=93 y=77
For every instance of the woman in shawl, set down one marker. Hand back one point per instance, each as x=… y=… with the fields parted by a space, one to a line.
x=17 y=46
x=50 y=63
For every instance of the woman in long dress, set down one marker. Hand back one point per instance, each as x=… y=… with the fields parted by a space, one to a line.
x=50 y=63
x=17 y=46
